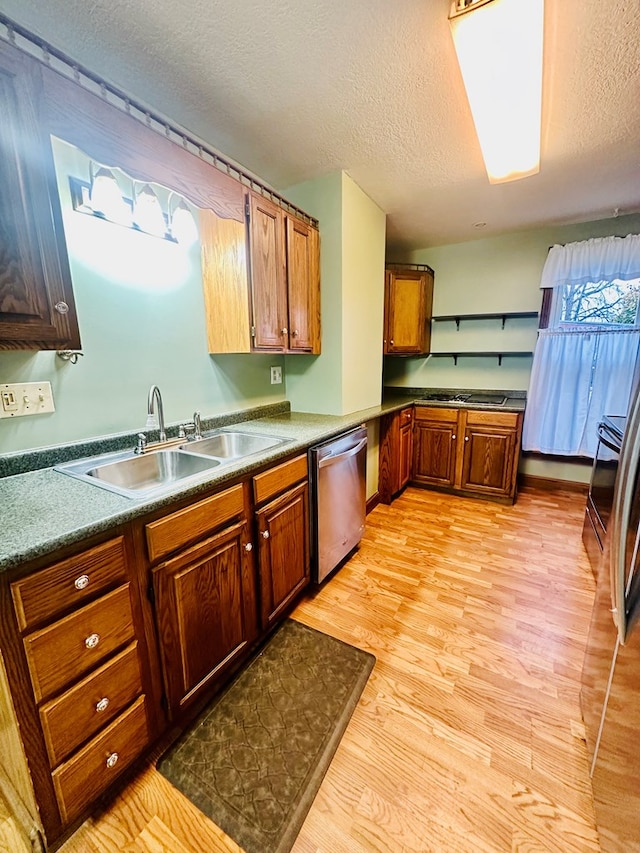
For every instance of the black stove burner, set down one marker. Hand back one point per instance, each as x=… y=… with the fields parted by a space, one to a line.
x=439 y=397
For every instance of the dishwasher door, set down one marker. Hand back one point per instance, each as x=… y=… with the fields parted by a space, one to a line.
x=338 y=478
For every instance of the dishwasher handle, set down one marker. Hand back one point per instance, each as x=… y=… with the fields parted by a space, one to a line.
x=330 y=460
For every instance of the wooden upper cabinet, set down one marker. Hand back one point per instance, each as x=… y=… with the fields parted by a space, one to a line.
x=408 y=308
x=37 y=309
x=268 y=274
x=303 y=286
x=285 y=282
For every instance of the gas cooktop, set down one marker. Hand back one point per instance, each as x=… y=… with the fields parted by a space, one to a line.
x=474 y=399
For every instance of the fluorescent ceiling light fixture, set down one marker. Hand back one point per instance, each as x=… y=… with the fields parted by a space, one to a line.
x=499 y=48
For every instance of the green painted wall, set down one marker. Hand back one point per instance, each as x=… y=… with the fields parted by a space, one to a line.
x=346 y=377
x=141 y=312
x=313 y=383
x=495 y=274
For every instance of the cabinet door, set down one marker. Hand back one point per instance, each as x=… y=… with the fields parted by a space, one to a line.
x=268 y=276
x=303 y=286
x=408 y=298
x=37 y=310
x=435 y=442
x=489 y=459
x=406 y=452
x=205 y=611
x=283 y=533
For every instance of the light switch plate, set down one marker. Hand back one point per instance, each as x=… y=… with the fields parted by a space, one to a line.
x=25 y=398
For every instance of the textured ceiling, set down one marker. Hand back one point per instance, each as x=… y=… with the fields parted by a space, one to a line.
x=295 y=89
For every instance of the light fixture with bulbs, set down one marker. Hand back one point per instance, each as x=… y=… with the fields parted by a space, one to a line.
x=102 y=197
x=499 y=49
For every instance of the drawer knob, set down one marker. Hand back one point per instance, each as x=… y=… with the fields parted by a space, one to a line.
x=102 y=705
x=248 y=547
x=265 y=534
x=466 y=438
x=453 y=437
x=112 y=760
x=284 y=331
x=82 y=582
x=92 y=641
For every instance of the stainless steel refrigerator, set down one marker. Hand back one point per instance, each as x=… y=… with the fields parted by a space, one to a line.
x=610 y=695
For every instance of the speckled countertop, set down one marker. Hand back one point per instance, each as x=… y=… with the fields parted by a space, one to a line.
x=43 y=510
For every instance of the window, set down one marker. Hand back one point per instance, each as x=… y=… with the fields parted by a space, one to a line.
x=586 y=361
x=609 y=303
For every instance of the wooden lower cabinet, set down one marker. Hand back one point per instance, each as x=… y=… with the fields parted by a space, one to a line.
x=466 y=450
x=92 y=643
x=205 y=612
x=396 y=453
x=74 y=682
x=435 y=446
x=283 y=538
x=282 y=517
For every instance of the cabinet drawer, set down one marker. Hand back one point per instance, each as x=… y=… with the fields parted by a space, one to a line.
x=277 y=479
x=499 y=419
x=69 y=648
x=44 y=595
x=406 y=416
x=80 y=712
x=424 y=413
x=90 y=771
x=193 y=522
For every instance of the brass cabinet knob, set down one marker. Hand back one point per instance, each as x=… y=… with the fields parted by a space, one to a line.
x=112 y=760
x=295 y=333
x=102 y=705
x=61 y=307
x=82 y=582
x=92 y=641
x=284 y=331
x=265 y=534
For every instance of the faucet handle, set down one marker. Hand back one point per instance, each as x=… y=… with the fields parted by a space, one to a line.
x=187 y=431
x=142 y=443
x=197 y=422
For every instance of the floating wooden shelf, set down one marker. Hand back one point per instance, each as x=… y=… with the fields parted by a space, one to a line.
x=498 y=315
x=499 y=355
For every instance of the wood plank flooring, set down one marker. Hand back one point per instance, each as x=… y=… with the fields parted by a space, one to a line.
x=468 y=737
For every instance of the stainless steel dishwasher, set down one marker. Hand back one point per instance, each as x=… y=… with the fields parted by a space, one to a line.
x=338 y=481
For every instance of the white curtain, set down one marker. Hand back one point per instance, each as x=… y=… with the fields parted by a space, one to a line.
x=577 y=376
x=599 y=259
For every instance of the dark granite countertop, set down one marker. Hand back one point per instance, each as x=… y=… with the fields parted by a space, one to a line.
x=42 y=510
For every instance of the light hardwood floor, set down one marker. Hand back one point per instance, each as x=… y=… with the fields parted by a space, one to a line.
x=468 y=737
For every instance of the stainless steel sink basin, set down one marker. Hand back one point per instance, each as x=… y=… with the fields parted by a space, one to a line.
x=231 y=445
x=138 y=476
x=152 y=470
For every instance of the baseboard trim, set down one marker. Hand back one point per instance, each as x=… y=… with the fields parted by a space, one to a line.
x=551 y=485
x=373 y=502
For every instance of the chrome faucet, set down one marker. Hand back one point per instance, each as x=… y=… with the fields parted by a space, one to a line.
x=155 y=399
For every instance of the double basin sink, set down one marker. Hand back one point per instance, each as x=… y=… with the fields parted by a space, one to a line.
x=134 y=475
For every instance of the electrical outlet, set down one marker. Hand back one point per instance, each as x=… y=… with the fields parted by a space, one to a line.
x=27 y=398
x=276 y=375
